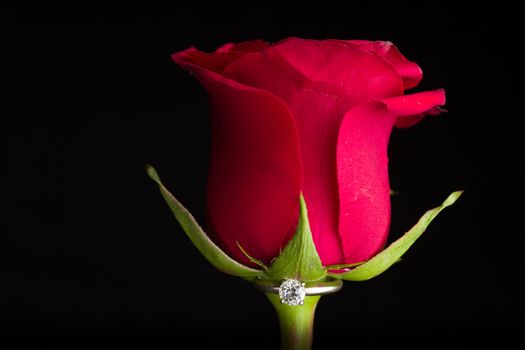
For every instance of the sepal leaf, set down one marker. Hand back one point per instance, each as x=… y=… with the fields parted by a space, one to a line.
x=382 y=261
x=299 y=259
x=215 y=255
x=251 y=258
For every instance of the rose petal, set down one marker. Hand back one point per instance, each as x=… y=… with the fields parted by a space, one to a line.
x=218 y=60
x=412 y=108
x=214 y=62
x=246 y=46
x=409 y=71
x=255 y=171
x=319 y=81
x=362 y=170
x=364 y=190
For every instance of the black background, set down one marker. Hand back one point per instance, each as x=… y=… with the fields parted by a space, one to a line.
x=90 y=248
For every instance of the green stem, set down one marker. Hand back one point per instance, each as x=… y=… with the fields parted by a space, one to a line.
x=297 y=322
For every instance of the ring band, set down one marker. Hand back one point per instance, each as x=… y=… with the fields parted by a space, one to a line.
x=327 y=286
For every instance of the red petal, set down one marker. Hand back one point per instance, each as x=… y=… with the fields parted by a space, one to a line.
x=412 y=108
x=214 y=62
x=218 y=60
x=364 y=189
x=409 y=71
x=247 y=46
x=362 y=169
x=255 y=172
x=319 y=81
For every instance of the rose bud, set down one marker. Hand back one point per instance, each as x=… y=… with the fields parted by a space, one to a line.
x=304 y=119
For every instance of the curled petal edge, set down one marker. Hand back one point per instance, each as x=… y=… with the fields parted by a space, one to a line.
x=410 y=109
x=409 y=71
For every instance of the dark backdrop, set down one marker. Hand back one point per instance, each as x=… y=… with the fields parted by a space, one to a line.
x=90 y=248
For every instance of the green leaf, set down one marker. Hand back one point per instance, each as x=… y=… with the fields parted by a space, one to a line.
x=343 y=266
x=299 y=259
x=198 y=237
x=382 y=261
x=252 y=259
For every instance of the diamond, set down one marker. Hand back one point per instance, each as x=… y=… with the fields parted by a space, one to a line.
x=292 y=292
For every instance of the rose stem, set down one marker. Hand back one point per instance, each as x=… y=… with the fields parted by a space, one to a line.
x=296 y=322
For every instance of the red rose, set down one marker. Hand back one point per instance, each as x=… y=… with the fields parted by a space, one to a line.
x=304 y=116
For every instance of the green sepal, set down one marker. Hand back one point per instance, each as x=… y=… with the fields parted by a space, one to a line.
x=382 y=261
x=343 y=266
x=299 y=259
x=251 y=258
x=199 y=238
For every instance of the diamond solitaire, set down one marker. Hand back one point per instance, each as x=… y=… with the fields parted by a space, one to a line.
x=292 y=292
